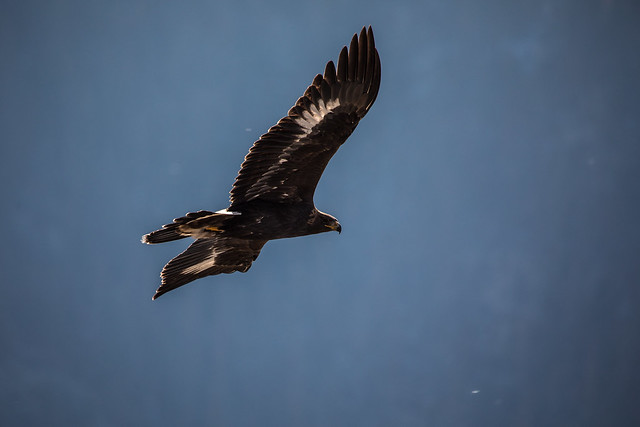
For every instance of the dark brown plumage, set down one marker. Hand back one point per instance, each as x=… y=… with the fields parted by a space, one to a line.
x=272 y=196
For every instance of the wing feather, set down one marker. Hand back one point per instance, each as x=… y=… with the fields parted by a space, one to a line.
x=343 y=63
x=286 y=163
x=330 y=73
x=353 y=59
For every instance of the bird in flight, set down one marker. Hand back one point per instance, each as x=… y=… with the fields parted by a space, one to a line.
x=272 y=196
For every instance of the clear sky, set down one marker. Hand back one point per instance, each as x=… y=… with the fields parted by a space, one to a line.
x=488 y=271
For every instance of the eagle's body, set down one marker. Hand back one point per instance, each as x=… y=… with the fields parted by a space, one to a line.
x=272 y=196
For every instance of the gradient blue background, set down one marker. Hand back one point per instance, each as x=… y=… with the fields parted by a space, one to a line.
x=488 y=271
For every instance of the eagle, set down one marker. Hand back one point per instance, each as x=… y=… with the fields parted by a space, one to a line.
x=272 y=196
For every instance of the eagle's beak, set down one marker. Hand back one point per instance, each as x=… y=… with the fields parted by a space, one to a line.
x=334 y=227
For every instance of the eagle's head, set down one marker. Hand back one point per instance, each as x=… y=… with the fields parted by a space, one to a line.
x=321 y=222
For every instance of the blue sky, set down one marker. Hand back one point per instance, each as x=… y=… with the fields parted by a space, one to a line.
x=487 y=272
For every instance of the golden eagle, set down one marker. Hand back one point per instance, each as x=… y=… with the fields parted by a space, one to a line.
x=272 y=196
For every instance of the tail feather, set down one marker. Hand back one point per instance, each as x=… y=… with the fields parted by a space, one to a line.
x=170 y=232
x=195 y=224
x=167 y=233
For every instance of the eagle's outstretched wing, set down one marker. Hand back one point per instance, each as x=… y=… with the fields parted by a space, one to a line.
x=285 y=164
x=215 y=255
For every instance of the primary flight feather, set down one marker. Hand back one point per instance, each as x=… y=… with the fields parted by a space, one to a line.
x=272 y=196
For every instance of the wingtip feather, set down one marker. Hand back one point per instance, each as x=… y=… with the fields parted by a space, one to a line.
x=343 y=64
x=352 y=68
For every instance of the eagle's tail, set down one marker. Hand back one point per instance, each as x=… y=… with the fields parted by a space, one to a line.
x=178 y=229
x=167 y=233
x=192 y=224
